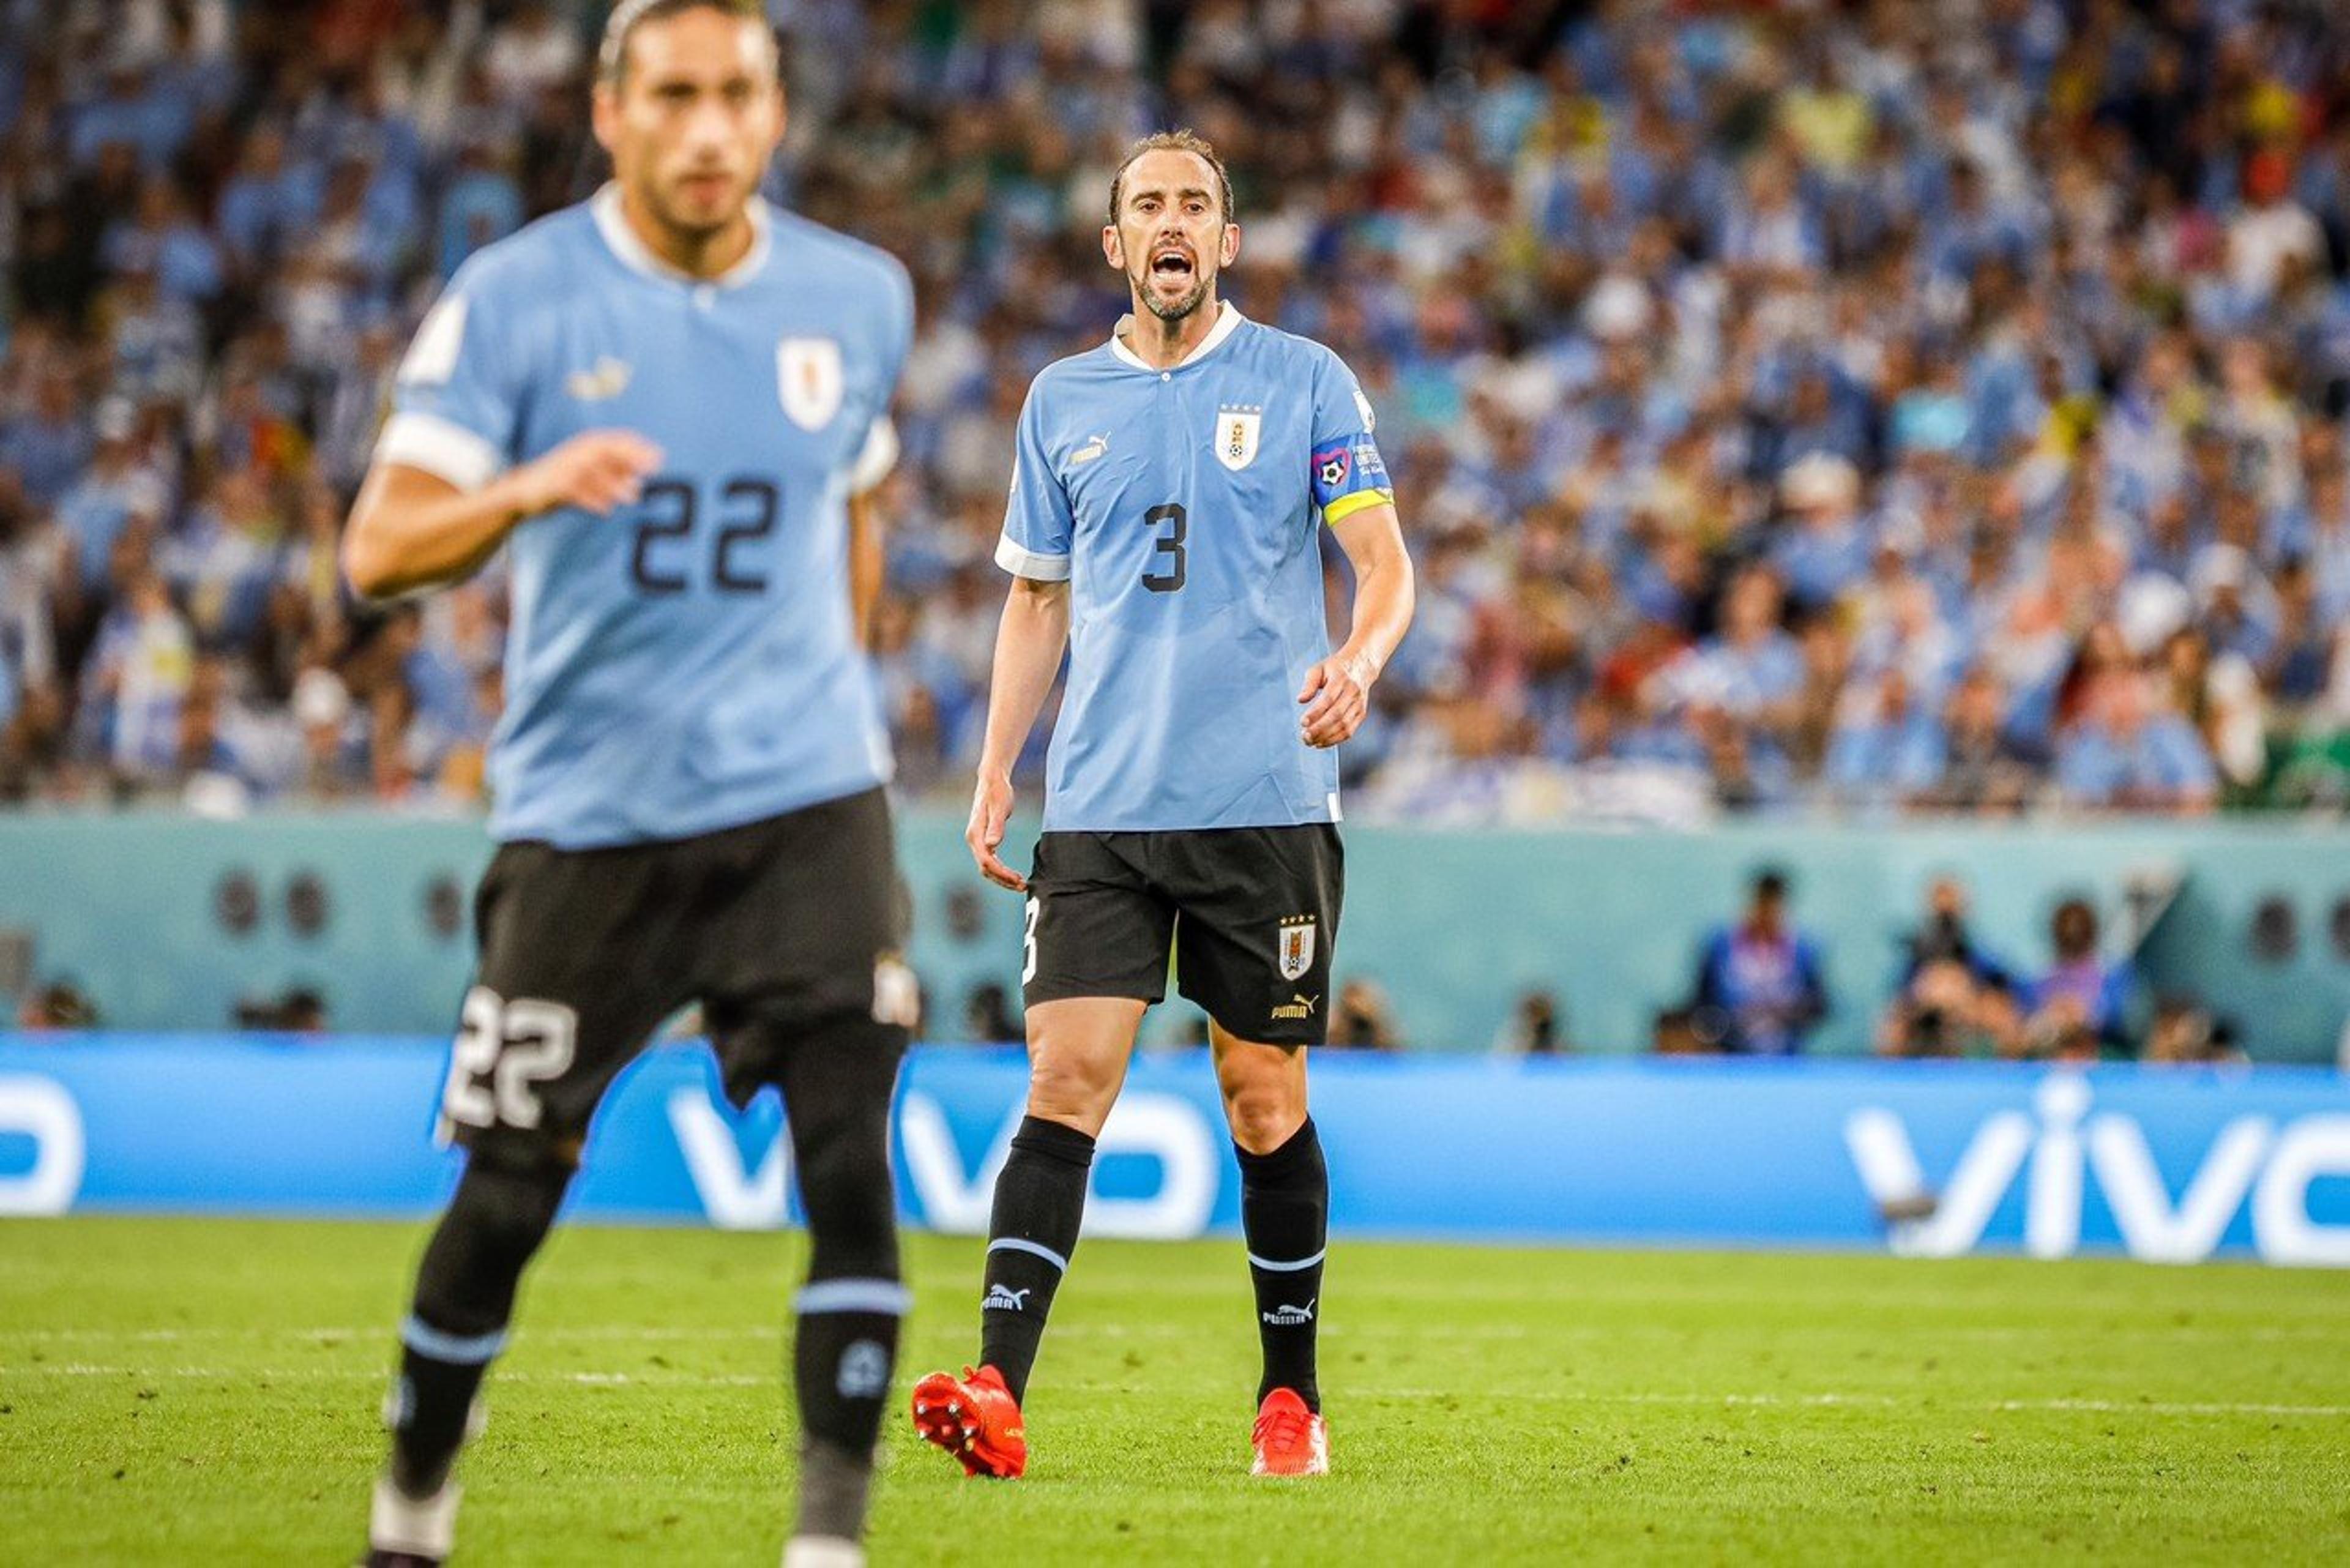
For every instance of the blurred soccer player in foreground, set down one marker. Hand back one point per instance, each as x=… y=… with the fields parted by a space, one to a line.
x=666 y=404
x=1170 y=492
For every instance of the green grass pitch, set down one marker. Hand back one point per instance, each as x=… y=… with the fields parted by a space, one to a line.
x=194 y=1391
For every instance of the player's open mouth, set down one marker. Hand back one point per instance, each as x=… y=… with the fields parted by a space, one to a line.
x=1172 y=264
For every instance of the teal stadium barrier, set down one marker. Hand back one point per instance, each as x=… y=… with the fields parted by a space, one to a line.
x=167 y=921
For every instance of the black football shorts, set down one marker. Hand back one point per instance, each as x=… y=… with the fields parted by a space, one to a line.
x=783 y=929
x=1249 y=914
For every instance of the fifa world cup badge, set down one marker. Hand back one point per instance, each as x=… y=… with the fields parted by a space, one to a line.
x=1236 y=431
x=1296 y=946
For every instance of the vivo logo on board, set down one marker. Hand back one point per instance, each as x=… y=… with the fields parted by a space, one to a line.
x=2059 y=1146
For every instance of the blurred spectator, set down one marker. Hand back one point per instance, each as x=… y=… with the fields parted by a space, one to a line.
x=47 y=443
x=1985 y=769
x=1889 y=748
x=61 y=1004
x=2079 y=1009
x=987 y=1016
x=1954 y=999
x=1760 y=987
x=1536 y=1027
x=1361 y=1019
x=1676 y=1034
x=1822 y=549
x=300 y=1011
x=2125 y=754
x=2185 y=1033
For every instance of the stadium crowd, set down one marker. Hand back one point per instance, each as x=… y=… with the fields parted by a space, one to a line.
x=1877 y=406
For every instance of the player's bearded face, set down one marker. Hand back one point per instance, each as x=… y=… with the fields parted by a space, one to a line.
x=1171 y=237
x=694 y=122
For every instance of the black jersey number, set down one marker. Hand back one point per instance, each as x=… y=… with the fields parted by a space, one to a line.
x=1166 y=579
x=666 y=512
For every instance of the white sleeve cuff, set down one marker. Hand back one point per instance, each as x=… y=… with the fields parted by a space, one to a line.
x=1025 y=563
x=442 y=447
x=879 y=456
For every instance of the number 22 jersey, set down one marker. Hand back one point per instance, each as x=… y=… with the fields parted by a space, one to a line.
x=1182 y=507
x=690 y=662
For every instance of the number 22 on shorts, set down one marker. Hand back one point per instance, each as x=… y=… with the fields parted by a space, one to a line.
x=504 y=1050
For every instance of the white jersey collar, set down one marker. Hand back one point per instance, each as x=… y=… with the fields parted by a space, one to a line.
x=634 y=254
x=1228 y=321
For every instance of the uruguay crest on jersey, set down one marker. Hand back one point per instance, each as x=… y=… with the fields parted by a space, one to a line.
x=808 y=380
x=1236 y=434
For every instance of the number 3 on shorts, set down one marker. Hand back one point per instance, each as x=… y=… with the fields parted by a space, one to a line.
x=504 y=1049
x=1028 y=947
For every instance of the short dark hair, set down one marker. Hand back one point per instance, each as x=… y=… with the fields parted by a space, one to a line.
x=1770 y=883
x=612 y=54
x=1171 y=142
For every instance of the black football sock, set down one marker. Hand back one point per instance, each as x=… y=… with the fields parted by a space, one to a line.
x=1285 y=1215
x=845 y=1344
x=1040 y=1200
x=842 y=1354
x=464 y=1296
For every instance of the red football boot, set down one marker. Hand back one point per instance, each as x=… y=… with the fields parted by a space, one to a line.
x=976 y=1418
x=1290 y=1439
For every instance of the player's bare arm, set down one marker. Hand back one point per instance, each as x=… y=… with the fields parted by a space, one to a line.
x=412 y=529
x=1029 y=641
x=866 y=560
x=1338 y=692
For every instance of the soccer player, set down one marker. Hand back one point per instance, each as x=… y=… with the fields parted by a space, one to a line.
x=668 y=405
x=1168 y=495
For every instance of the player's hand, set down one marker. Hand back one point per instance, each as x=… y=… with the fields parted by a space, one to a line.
x=596 y=470
x=1337 y=695
x=991 y=809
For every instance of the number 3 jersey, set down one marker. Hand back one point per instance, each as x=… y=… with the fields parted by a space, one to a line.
x=688 y=662
x=1183 y=506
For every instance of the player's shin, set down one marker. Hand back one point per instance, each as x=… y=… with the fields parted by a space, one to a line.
x=845 y=1349
x=1284 y=1215
x=1040 y=1201
x=464 y=1298
x=845 y=1344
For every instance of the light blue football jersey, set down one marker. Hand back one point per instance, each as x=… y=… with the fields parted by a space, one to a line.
x=688 y=663
x=1183 y=507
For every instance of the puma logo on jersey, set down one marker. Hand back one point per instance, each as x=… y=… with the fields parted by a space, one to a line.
x=1001 y=1298
x=1298 y=1006
x=607 y=380
x=1098 y=447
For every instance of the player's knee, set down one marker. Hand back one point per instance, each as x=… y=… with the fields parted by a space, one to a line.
x=1076 y=1088
x=839 y=1103
x=1073 y=1098
x=844 y=1177
x=1264 y=1102
x=510 y=1199
x=1262 y=1118
x=500 y=1213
